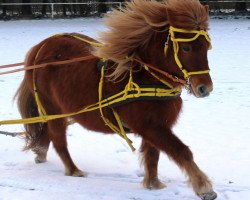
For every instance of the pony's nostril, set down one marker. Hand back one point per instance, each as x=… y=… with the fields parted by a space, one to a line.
x=202 y=90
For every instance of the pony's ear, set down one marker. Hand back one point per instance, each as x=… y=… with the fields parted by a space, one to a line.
x=206 y=8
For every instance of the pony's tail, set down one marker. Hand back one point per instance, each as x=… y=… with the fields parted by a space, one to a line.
x=28 y=108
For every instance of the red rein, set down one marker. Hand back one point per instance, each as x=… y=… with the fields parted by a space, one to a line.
x=175 y=79
x=167 y=75
x=44 y=64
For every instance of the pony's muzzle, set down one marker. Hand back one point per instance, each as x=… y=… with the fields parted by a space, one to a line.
x=201 y=85
x=203 y=90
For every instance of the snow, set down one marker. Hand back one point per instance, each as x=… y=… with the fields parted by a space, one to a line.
x=215 y=128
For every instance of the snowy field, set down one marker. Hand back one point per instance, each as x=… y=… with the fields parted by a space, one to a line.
x=216 y=128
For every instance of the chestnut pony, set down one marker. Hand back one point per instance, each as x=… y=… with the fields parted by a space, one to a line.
x=140 y=30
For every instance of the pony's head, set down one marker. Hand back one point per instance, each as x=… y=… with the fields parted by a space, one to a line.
x=171 y=36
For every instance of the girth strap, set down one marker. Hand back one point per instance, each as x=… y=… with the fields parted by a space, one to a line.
x=154 y=95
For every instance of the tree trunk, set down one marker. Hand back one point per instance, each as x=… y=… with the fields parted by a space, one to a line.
x=44 y=8
x=3 y=8
x=102 y=8
x=85 y=10
x=64 y=6
x=240 y=6
x=26 y=9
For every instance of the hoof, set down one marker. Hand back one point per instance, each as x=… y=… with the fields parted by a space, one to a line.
x=208 y=196
x=76 y=173
x=154 y=184
x=40 y=159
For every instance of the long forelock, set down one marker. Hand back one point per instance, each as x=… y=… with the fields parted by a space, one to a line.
x=129 y=28
x=189 y=14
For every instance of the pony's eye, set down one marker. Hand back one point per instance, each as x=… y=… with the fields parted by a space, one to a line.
x=186 y=48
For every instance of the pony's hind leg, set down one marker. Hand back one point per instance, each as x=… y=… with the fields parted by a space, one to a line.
x=57 y=131
x=150 y=158
x=181 y=154
x=42 y=145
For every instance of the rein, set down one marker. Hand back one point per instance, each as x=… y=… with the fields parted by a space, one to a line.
x=11 y=65
x=167 y=75
x=58 y=63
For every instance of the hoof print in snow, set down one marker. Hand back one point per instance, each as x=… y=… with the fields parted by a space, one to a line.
x=39 y=160
x=208 y=196
x=76 y=173
x=155 y=184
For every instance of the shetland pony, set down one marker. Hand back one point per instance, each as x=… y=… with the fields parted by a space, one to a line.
x=139 y=30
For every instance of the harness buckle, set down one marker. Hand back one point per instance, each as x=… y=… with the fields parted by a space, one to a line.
x=188 y=80
x=188 y=84
x=166 y=45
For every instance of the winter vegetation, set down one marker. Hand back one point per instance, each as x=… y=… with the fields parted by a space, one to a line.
x=28 y=9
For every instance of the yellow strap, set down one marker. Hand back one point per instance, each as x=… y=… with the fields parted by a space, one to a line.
x=120 y=131
x=157 y=77
x=102 y=103
x=160 y=92
x=175 y=41
x=165 y=49
x=129 y=87
x=121 y=96
x=198 y=72
x=144 y=92
x=199 y=32
x=97 y=44
x=107 y=122
x=40 y=107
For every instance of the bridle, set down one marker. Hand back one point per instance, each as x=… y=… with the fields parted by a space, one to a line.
x=186 y=74
x=171 y=36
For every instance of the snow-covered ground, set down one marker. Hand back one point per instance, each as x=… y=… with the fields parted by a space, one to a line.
x=216 y=128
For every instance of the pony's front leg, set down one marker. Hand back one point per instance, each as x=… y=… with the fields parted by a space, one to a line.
x=165 y=140
x=150 y=158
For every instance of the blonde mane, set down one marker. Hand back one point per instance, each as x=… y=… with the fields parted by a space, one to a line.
x=133 y=27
